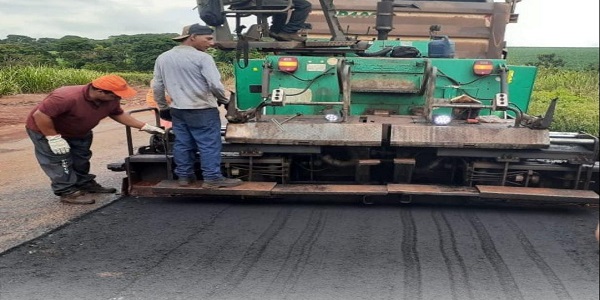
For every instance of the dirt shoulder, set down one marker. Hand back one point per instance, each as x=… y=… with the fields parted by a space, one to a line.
x=28 y=208
x=14 y=110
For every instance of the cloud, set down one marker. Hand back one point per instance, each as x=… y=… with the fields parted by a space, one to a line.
x=94 y=19
x=545 y=23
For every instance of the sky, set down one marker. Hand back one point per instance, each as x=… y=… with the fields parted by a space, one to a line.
x=542 y=23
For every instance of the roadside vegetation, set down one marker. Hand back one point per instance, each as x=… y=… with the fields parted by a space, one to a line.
x=29 y=65
x=564 y=57
x=577 y=93
x=31 y=80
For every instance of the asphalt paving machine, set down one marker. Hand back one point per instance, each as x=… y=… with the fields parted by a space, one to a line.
x=385 y=99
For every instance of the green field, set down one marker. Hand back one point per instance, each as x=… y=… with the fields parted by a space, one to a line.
x=574 y=58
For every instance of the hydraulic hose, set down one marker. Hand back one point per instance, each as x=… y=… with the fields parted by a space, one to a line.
x=382 y=52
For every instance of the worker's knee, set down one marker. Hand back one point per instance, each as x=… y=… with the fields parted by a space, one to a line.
x=302 y=4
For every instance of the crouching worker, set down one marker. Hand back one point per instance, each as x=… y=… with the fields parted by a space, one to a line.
x=60 y=128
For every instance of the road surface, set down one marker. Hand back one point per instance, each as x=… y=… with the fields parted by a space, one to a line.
x=138 y=248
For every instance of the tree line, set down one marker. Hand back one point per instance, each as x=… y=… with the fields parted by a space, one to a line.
x=122 y=53
x=131 y=53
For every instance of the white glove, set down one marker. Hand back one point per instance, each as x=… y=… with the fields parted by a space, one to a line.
x=152 y=129
x=58 y=145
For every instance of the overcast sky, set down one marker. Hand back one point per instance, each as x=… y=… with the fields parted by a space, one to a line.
x=542 y=23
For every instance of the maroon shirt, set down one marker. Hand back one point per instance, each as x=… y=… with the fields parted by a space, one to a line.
x=74 y=114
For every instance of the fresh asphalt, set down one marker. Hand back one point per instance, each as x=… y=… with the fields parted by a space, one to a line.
x=143 y=248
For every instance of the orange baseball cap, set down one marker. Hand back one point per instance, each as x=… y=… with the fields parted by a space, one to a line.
x=115 y=84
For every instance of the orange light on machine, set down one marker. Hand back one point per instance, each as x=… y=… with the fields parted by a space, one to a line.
x=483 y=67
x=288 y=64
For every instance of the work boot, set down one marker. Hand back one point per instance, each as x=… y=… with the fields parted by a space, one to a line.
x=94 y=187
x=76 y=197
x=185 y=181
x=284 y=36
x=221 y=182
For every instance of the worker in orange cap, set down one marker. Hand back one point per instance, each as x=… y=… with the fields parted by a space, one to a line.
x=60 y=128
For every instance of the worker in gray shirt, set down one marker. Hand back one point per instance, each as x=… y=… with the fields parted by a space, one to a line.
x=190 y=77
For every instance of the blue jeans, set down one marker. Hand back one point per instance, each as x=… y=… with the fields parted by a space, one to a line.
x=299 y=15
x=197 y=130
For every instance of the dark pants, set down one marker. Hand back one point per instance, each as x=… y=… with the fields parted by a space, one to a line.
x=69 y=171
x=197 y=130
x=299 y=15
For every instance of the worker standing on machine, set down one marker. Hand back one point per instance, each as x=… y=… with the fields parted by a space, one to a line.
x=190 y=76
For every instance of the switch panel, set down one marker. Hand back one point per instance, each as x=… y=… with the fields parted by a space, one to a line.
x=278 y=97
x=501 y=101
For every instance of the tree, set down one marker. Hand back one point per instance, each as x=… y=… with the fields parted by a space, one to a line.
x=18 y=39
x=548 y=61
x=19 y=54
x=146 y=48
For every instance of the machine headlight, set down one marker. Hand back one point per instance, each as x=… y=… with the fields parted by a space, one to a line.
x=332 y=115
x=441 y=120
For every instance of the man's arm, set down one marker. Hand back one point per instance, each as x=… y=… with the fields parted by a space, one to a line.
x=58 y=145
x=44 y=123
x=213 y=79
x=128 y=120
x=158 y=88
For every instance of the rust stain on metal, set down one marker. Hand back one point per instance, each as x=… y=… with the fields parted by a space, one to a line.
x=542 y=194
x=384 y=85
x=262 y=189
x=329 y=189
x=469 y=136
x=298 y=132
x=422 y=189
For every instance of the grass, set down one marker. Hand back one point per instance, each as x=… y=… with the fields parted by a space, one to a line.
x=578 y=105
x=574 y=58
x=25 y=80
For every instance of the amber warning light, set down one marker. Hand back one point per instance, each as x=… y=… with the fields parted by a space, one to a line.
x=288 y=64
x=483 y=67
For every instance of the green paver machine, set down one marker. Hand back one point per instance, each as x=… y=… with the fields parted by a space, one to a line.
x=385 y=98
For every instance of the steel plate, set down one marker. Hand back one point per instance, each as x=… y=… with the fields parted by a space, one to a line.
x=544 y=194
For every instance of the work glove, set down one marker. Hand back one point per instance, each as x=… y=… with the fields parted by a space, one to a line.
x=58 y=145
x=152 y=129
x=225 y=105
x=165 y=114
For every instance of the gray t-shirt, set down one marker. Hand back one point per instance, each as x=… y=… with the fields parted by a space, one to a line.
x=190 y=77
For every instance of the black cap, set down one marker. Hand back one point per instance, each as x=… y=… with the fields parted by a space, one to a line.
x=193 y=29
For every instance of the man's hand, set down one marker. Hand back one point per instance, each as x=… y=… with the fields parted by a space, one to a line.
x=58 y=145
x=225 y=104
x=152 y=129
x=165 y=114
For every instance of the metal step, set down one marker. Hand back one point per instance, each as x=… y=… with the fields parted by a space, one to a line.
x=329 y=189
x=434 y=190
x=537 y=194
x=257 y=189
x=272 y=189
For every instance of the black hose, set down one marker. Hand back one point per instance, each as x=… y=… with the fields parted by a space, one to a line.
x=382 y=52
